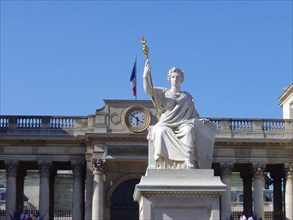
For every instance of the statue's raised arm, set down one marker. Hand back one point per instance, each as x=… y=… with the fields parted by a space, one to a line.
x=146 y=84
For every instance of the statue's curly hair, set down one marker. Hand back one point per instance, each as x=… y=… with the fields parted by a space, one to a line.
x=177 y=70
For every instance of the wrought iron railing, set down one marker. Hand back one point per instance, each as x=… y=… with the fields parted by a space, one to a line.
x=268 y=215
x=58 y=214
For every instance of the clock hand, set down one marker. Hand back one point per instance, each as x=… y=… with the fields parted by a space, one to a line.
x=137 y=120
x=136 y=117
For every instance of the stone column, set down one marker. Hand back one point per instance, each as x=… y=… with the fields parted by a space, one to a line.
x=11 y=171
x=247 y=191
x=98 y=190
x=44 y=196
x=277 y=201
x=289 y=191
x=258 y=185
x=78 y=188
x=226 y=196
x=88 y=188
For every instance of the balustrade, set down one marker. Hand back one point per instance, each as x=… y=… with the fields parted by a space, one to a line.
x=81 y=122
x=29 y=122
x=241 y=124
x=273 y=125
x=251 y=124
x=4 y=122
x=40 y=122
x=62 y=122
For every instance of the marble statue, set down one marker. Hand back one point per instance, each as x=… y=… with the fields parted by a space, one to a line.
x=177 y=135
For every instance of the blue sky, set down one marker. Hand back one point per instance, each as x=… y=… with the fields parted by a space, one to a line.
x=66 y=57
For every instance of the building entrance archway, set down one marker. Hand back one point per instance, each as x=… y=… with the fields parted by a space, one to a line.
x=123 y=207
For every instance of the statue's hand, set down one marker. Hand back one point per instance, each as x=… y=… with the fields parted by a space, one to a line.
x=147 y=69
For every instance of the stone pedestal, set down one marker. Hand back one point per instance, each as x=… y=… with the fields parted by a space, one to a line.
x=179 y=194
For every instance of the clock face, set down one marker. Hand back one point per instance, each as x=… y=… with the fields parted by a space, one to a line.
x=137 y=118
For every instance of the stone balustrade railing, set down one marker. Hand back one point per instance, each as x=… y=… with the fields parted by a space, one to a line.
x=252 y=124
x=39 y=121
x=42 y=124
x=84 y=123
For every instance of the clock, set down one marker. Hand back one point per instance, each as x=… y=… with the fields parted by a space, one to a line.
x=137 y=118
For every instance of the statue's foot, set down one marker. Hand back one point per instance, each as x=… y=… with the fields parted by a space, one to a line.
x=189 y=165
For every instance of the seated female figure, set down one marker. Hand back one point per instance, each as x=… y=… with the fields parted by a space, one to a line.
x=174 y=136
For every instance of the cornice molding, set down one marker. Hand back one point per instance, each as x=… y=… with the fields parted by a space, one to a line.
x=286 y=94
x=234 y=142
x=89 y=138
x=188 y=193
x=39 y=140
x=116 y=137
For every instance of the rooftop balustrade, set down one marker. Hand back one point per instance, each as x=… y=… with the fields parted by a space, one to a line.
x=238 y=124
x=20 y=125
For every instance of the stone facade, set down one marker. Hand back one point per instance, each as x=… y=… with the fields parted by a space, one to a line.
x=103 y=154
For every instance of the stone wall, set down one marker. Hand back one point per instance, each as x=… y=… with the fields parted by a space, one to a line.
x=63 y=191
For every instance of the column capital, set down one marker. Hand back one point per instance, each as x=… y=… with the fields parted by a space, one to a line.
x=98 y=165
x=258 y=169
x=11 y=162
x=45 y=168
x=11 y=167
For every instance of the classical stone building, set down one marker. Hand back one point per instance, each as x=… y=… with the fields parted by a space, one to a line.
x=106 y=156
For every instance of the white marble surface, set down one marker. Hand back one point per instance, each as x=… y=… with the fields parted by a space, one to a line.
x=179 y=194
x=205 y=135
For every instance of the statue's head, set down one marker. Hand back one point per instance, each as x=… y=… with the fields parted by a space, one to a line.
x=177 y=70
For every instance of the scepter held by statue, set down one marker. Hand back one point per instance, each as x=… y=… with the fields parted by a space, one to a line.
x=146 y=53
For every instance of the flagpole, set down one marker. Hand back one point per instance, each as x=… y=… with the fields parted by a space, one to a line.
x=133 y=79
x=136 y=76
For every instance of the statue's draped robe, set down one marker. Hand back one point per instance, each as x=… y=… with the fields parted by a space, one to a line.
x=174 y=136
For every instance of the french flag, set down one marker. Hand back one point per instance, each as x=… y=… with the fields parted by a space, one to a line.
x=133 y=79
